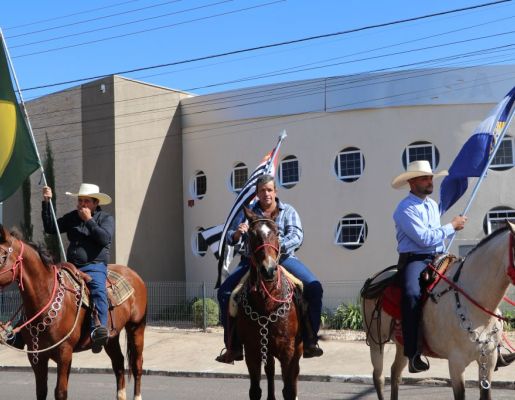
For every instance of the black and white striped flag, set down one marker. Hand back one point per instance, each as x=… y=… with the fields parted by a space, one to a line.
x=216 y=235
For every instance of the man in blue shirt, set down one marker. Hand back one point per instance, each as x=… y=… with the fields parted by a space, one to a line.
x=419 y=236
x=290 y=238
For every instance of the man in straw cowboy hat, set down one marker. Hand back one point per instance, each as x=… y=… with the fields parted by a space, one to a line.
x=419 y=236
x=90 y=231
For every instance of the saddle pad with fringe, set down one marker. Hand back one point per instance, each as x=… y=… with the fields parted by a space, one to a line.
x=118 y=288
x=233 y=304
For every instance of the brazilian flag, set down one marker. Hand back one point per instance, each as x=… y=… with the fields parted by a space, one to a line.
x=18 y=157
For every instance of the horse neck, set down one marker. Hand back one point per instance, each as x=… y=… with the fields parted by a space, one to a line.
x=484 y=275
x=36 y=280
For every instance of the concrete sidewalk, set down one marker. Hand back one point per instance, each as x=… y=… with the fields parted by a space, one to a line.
x=179 y=352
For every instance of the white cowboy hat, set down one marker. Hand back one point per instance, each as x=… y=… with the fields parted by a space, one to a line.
x=414 y=170
x=90 y=190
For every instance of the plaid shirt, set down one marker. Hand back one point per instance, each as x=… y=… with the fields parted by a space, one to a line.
x=288 y=223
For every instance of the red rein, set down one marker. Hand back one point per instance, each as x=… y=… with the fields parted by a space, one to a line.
x=19 y=264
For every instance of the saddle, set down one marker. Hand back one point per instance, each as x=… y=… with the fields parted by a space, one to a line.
x=385 y=285
x=118 y=288
x=233 y=300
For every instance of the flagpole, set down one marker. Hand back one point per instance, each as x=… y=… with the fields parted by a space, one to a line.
x=485 y=169
x=27 y=121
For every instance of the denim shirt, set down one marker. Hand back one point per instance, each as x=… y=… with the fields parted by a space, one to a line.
x=417 y=222
x=288 y=223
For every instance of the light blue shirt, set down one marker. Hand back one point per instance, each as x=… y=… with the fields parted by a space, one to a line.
x=418 y=227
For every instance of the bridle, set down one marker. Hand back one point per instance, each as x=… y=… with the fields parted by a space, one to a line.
x=265 y=244
x=18 y=263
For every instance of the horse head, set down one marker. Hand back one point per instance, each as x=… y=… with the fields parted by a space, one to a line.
x=10 y=258
x=511 y=266
x=263 y=241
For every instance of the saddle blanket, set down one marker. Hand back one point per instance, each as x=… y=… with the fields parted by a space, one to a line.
x=118 y=288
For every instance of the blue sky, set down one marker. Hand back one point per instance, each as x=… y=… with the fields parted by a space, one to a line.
x=46 y=39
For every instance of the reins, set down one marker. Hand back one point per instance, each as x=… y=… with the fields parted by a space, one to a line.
x=511 y=274
x=19 y=264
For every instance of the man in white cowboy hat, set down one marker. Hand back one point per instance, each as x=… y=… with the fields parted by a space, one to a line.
x=420 y=236
x=90 y=231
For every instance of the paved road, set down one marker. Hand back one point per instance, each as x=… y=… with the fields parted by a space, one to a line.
x=20 y=386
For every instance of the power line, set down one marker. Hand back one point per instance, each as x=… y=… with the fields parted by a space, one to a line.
x=88 y=20
x=124 y=24
x=262 y=47
x=153 y=29
x=69 y=15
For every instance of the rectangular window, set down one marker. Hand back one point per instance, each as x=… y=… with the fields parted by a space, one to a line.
x=201 y=244
x=200 y=185
x=239 y=178
x=504 y=155
x=289 y=172
x=495 y=219
x=351 y=231
x=350 y=164
x=421 y=152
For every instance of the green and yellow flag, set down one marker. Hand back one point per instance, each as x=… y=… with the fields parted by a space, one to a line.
x=18 y=157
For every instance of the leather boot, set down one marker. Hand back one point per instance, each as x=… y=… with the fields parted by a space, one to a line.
x=234 y=350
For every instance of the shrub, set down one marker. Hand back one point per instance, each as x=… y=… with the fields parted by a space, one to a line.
x=345 y=317
x=509 y=325
x=211 y=312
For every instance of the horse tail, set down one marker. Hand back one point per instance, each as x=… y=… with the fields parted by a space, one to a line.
x=129 y=354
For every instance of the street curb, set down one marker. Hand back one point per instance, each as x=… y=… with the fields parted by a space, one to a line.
x=357 y=379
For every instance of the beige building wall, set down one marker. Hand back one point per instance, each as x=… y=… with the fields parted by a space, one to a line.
x=124 y=136
x=376 y=116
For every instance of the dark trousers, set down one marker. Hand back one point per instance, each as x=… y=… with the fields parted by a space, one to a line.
x=313 y=292
x=411 y=305
x=97 y=290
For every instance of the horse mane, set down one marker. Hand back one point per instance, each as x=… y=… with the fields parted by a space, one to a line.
x=488 y=238
x=43 y=252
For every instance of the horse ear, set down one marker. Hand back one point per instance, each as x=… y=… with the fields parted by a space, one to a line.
x=511 y=226
x=249 y=213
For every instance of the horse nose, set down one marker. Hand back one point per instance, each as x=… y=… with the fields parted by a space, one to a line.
x=268 y=268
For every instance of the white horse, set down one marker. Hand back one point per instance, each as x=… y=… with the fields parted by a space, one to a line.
x=454 y=327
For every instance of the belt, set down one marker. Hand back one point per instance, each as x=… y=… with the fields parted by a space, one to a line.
x=410 y=257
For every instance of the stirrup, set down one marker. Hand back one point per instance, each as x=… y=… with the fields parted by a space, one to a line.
x=312 y=350
x=416 y=364
x=229 y=356
x=99 y=337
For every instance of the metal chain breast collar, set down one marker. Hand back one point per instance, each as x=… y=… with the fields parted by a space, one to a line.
x=484 y=344
x=51 y=314
x=264 y=320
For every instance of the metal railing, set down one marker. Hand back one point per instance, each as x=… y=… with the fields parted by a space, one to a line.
x=194 y=304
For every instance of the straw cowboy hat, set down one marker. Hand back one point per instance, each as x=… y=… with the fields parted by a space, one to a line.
x=414 y=170
x=90 y=190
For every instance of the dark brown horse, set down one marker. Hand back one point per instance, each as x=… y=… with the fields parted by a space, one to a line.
x=57 y=326
x=268 y=319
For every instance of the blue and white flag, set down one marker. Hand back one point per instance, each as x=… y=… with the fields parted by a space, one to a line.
x=248 y=192
x=475 y=153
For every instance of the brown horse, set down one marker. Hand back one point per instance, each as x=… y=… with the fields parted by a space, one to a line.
x=59 y=326
x=268 y=318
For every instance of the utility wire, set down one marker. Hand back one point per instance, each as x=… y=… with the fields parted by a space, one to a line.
x=262 y=47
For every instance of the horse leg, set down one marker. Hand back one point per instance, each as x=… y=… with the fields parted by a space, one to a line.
x=41 y=374
x=64 y=363
x=376 y=356
x=486 y=394
x=114 y=352
x=290 y=372
x=135 y=341
x=398 y=366
x=270 y=373
x=456 y=370
x=254 y=367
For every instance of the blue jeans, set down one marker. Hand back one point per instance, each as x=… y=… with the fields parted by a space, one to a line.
x=97 y=290
x=411 y=306
x=313 y=292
